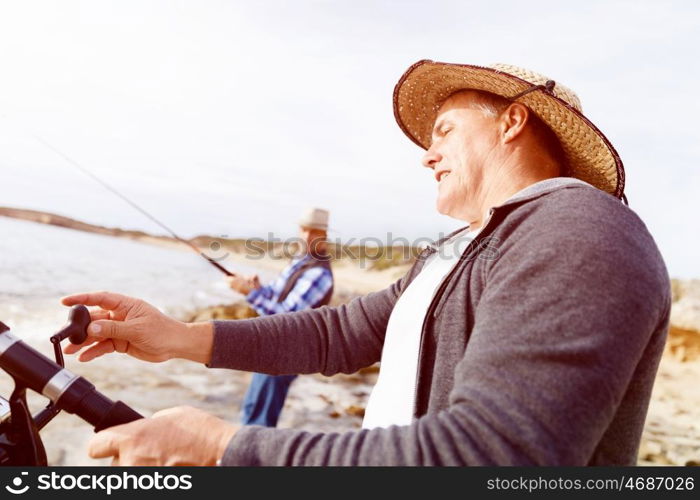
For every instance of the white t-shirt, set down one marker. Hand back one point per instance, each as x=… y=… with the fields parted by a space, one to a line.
x=393 y=397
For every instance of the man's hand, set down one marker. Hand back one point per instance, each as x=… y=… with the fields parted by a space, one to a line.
x=132 y=326
x=254 y=282
x=243 y=285
x=177 y=436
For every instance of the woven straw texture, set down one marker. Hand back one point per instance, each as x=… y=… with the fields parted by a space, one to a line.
x=425 y=85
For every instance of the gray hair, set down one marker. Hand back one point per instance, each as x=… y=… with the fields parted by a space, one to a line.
x=493 y=105
x=490 y=104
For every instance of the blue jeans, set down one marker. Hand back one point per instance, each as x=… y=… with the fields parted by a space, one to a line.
x=264 y=400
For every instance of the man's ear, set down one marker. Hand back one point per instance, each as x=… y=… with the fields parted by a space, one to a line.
x=513 y=120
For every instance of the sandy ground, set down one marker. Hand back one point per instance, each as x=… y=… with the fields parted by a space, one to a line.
x=317 y=403
x=672 y=431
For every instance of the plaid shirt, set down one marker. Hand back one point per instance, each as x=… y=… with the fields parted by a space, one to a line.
x=308 y=290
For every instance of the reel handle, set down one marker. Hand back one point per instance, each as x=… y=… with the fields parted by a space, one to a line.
x=76 y=328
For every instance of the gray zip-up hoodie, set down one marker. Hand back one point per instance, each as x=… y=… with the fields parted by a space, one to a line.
x=540 y=347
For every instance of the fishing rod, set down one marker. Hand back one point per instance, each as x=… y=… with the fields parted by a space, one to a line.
x=20 y=440
x=132 y=204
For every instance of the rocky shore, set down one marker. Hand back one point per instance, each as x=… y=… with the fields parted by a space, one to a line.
x=672 y=431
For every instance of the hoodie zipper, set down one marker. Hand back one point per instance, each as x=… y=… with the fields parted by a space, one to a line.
x=432 y=307
x=436 y=299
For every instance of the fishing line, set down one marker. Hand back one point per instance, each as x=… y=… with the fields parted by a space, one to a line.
x=131 y=203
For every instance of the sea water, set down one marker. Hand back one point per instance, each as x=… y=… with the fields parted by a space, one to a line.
x=40 y=263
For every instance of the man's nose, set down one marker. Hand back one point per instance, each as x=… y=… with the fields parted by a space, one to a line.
x=431 y=158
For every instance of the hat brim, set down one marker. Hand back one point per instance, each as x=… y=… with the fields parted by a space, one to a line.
x=424 y=87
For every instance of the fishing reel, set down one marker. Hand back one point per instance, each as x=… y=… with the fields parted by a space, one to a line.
x=20 y=442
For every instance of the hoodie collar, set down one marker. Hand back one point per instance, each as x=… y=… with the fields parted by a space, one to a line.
x=542 y=187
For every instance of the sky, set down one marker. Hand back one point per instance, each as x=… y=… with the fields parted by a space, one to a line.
x=229 y=118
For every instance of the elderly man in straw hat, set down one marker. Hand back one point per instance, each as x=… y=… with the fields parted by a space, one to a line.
x=306 y=283
x=532 y=336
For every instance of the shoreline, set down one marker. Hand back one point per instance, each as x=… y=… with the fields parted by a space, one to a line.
x=351 y=279
x=354 y=276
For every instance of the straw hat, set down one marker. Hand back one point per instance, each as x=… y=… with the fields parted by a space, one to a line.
x=315 y=218
x=425 y=85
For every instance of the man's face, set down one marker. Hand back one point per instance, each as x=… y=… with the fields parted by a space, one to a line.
x=464 y=138
x=313 y=238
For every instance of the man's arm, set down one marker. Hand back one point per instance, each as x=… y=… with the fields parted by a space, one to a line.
x=324 y=340
x=561 y=327
x=328 y=340
x=186 y=436
x=308 y=291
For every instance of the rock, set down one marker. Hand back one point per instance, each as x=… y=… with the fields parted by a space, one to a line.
x=372 y=369
x=682 y=344
x=355 y=411
x=684 y=334
x=238 y=310
x=685 y=312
